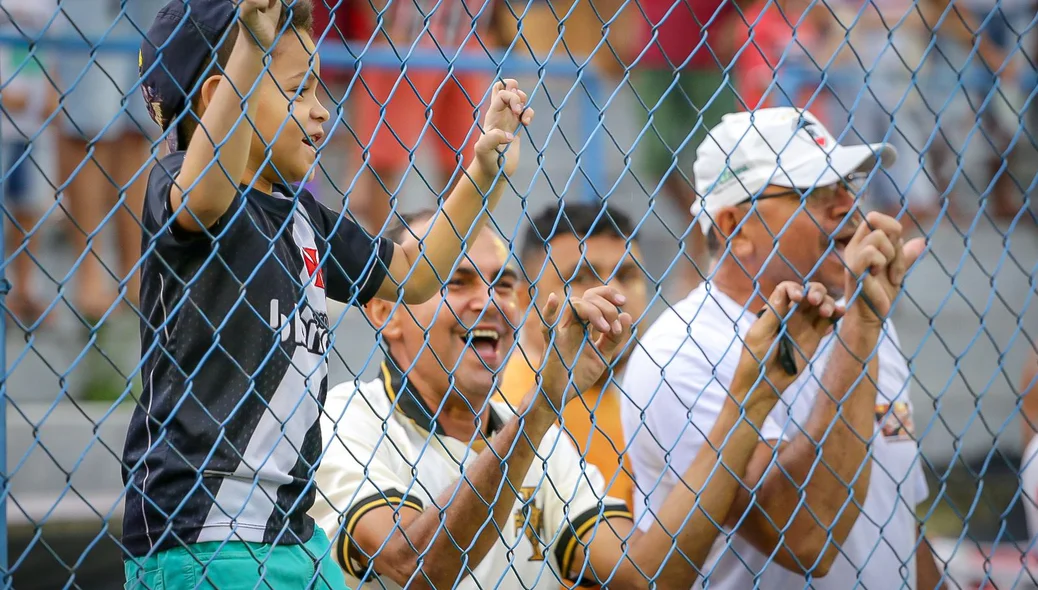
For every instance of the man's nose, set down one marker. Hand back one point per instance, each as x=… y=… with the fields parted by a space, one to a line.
x=482 y=298
x=845 y=204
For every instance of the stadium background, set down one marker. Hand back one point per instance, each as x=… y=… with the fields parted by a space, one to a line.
x=967 y=326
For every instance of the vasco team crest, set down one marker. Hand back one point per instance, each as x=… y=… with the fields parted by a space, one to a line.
x=311 y=258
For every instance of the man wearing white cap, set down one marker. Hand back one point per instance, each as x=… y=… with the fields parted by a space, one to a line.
x=828 y=500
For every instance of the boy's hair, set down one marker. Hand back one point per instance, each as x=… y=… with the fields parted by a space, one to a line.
x=302 y=15
x=583 y=220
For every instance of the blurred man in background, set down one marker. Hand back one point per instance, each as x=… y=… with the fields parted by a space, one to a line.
x=872 y=52
x=395 y=110
x=103 y=153
x=570 y=250
x=105 y=143
x=977 y=44
x=681 y=91
x=784 y=37
x=28 y=99
x=780 y=204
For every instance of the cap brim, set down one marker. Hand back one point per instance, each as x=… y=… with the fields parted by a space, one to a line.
x=830 y=167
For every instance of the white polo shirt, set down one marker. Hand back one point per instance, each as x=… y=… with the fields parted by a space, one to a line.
x=678 y=377
x=1029 y=483
x=377 y=453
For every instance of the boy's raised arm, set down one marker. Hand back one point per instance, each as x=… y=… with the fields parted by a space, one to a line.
x=218 y=151
x=421 y=264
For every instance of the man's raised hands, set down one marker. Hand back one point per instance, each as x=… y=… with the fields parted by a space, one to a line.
x=782 y=341
x=506 y=114
x=878 y=259
x=582 y=336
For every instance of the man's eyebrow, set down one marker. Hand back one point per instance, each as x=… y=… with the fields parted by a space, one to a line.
x=567 y=272
x=507 y=272
x=504 y=272
x=628 y=264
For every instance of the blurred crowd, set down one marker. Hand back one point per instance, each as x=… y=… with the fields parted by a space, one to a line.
x=945 y=82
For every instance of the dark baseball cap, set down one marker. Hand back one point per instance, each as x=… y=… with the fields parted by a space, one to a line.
x=178 y=46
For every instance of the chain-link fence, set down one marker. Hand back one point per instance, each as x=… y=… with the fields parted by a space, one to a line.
x=276 y=293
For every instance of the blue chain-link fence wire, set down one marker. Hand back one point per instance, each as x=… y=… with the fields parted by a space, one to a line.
x=608 y=80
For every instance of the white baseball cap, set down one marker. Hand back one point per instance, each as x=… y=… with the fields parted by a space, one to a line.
x=783 y=146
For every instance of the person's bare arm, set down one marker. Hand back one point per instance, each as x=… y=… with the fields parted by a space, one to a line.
x=691 y=514
x=218 y=151
x=412 y=548
x=429 y=548
x=928 y=575
x=823 y=467
x=420 y=264
x=806 y=502
x=15 y=99
x=1029 y=403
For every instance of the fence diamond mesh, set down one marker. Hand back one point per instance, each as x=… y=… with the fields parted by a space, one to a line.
x=481 y=293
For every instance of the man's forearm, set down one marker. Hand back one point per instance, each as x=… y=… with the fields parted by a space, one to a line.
x=218 y=154
x=692 y=513
x=466 y=536
x=928 y=575
x=463 y=215
x=825 y=466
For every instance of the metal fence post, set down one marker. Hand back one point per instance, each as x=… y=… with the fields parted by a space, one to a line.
x=5 y=287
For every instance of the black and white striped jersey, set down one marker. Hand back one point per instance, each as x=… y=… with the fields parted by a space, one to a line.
x=235 y=337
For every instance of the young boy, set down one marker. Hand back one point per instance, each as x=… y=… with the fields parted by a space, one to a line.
x=223 y=444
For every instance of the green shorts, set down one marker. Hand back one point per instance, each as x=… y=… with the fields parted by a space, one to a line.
x=234 y=565
x=695 y=103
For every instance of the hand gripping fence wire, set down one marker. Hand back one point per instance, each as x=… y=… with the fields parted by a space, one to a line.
x=625 y=93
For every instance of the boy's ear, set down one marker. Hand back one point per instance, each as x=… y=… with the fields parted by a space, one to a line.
x=208 y=89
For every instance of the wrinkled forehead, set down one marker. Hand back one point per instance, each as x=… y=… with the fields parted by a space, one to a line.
x=489 y=253
x=486 y=252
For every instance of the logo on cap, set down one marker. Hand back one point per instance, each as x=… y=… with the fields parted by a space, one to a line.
x=813 y=129
x=728 y=174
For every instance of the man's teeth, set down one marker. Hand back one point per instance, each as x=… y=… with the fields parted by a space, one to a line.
x=492 y=334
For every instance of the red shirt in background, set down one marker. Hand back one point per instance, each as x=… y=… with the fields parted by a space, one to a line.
x=349 y=26
x=771 y=42
x=349 y=21
x=680 y=31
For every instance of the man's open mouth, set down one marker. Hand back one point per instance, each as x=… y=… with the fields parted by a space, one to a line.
x=484 y=341
x=840 y=243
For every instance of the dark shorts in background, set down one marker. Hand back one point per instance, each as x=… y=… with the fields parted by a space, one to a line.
x=690 y=105
x=16 y=174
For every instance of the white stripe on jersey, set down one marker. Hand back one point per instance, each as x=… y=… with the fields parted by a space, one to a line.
x=249 y=496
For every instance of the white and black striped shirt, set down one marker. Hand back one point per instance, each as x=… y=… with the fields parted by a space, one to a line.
x=235 y=337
